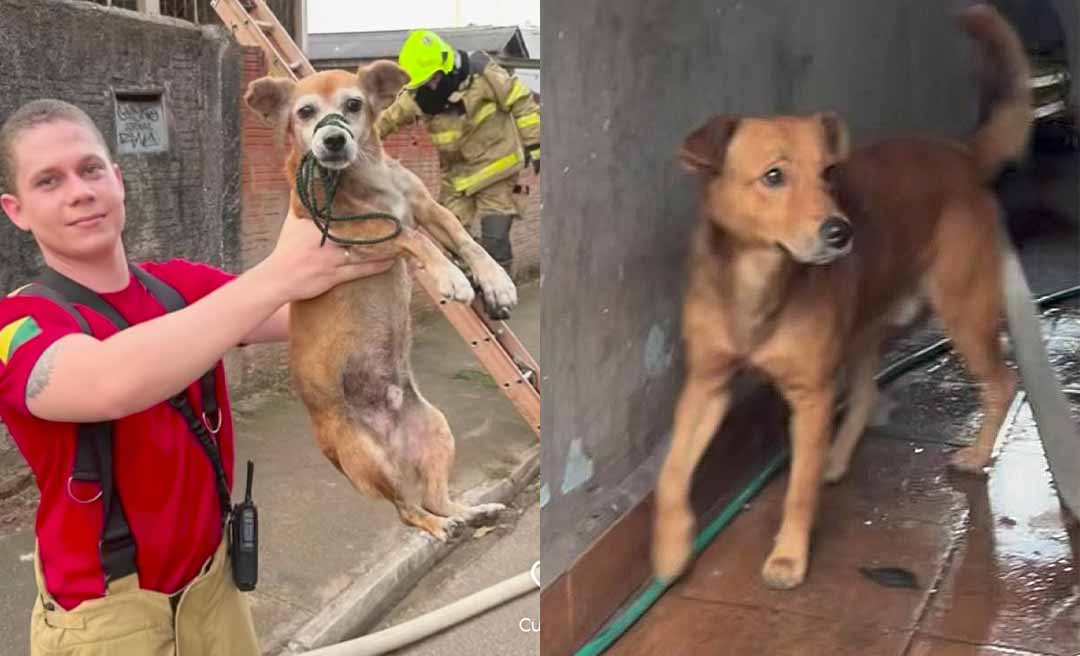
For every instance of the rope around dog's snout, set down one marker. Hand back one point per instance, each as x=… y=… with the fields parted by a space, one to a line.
x=309 y=170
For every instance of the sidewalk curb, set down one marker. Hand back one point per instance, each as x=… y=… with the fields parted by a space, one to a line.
x=367 y=599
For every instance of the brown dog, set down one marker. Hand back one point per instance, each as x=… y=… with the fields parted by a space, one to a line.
x=349 y=348
x=804 y=258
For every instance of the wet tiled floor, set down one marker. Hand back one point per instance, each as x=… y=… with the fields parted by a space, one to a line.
x=992 y=559
x=992 y=556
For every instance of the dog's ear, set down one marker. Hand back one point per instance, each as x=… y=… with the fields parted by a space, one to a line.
x=269 y=97
x=381 y=81
x=703 y=151
x=837 y=141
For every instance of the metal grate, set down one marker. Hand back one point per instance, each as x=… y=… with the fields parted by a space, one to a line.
x=133 y=5
x=183 y=9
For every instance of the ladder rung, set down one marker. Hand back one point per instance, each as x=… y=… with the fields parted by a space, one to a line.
x=266 y=26
x=297 y=65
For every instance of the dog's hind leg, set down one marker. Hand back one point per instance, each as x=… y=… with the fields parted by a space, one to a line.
x=369 y=469
x=436 y=464
x=861 y=398
x=442 y=528
x=965 y=290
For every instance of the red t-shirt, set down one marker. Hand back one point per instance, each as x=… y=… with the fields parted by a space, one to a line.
x=163 y=477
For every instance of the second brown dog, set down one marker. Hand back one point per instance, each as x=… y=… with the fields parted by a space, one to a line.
x=804 y=258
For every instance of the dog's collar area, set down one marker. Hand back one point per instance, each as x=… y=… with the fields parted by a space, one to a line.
x=309 y=170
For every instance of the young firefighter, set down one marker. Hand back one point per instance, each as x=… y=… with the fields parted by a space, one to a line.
x=174 y=589
x=484 y=124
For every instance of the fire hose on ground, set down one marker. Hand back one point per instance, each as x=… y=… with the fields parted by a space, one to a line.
x=417 y=629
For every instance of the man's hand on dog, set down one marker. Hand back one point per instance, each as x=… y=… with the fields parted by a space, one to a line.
x=304 y=269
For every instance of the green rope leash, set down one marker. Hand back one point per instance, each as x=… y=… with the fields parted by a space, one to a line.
x=311 y=170
x=648 y=597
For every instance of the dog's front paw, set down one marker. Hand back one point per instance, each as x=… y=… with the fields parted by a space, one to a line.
x=672 y=543
x=483 y=513
x=500 y=293
x=454 y=286
x=784 y=571
x=836 y=466
x=447 y=529
x=970 y=460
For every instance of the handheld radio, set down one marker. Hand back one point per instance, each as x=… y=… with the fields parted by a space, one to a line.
x=245 y=538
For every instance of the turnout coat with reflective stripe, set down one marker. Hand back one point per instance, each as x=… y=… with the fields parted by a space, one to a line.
x=485 y=143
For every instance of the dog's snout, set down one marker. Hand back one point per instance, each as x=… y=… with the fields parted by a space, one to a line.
x=334 y=142
x=836 y=231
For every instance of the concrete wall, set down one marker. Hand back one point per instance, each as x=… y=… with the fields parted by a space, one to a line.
x=622 y=88
x=181 y=203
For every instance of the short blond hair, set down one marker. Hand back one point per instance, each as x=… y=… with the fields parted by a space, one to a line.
x=31 y=115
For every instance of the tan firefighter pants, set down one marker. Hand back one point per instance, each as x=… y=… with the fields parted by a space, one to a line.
x=497 y=198
x=212 y=618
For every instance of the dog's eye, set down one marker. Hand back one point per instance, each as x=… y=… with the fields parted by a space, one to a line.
x=352 y=105
x=829 y=174
x=305 y=112
x=773 y=178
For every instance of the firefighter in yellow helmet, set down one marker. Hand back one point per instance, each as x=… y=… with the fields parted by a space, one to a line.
x=485 y=125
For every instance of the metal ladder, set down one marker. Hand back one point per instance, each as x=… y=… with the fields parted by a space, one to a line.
x=493 y=343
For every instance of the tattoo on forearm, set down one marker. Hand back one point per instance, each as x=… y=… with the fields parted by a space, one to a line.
x=42 y=371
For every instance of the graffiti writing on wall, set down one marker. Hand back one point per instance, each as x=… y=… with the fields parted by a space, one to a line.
x=140 y=126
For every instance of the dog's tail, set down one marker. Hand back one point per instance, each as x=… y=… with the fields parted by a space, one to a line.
x=1004 y=133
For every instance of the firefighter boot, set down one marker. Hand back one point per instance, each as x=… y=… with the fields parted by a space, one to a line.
x=495 y=238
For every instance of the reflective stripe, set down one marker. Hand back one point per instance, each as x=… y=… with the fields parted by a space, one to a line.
x=1048 y=80
x=482 y=114
x=517 y=92
x=445 y=138
x=1049 y=110
x=493 y=169
x=528 y=120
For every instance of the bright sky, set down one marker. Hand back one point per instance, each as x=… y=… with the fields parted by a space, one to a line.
x=360 y=15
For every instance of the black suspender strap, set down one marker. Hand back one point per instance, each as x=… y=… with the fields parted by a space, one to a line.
x=166 y=295
x=211 y=415
x=93 y=463
x=172 y=301
x=73 y=292
x=198 y=428
x=93 y=456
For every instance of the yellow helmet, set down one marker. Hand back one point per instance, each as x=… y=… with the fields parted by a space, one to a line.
x=422 y=55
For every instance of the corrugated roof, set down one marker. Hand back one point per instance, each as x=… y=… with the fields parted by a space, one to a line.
x=386 y=44
x=531 y=35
